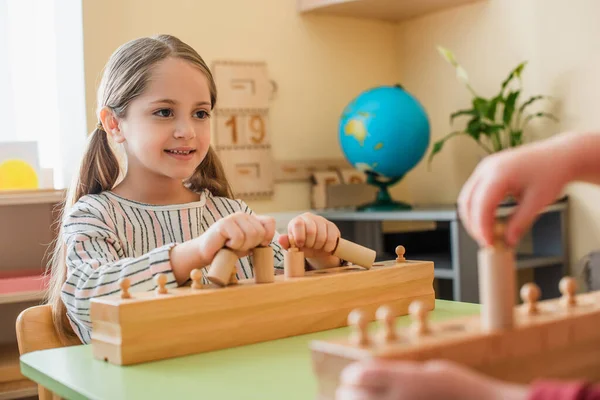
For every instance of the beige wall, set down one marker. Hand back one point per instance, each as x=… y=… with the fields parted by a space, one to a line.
x=560 y=40
x=319 y=63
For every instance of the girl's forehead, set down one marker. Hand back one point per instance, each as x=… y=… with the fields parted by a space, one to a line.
x=177 y=77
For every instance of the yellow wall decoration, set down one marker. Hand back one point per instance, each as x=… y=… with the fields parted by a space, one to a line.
x=17 y=174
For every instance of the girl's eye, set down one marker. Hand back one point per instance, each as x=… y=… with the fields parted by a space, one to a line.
x=164 y=112
x=202 y=114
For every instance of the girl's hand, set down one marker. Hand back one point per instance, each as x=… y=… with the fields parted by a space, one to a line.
x=239 y=232
x=394 y=380
x=315 y=236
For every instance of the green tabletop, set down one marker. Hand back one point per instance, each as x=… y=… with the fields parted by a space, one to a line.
x=279 y=369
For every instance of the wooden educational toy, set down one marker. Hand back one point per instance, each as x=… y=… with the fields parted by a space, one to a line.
x=557 y=338
x=130 y=327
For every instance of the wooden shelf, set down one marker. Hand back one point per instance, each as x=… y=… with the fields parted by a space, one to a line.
x=34 y=196
x=9 y=363
x=19 y=289
x=18 y=389
x=387 y=10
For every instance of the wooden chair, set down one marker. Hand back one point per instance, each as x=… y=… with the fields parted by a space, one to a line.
x=35 y=331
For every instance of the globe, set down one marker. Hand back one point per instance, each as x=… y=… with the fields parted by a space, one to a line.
x=385 y=133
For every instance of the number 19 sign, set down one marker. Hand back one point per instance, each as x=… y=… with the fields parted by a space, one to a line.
x=241 y=127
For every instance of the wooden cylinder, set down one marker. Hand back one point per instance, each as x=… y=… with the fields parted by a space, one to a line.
x=497 y=271
x=221 y=267
x=264 y=266
x=355 y=253
x=293 y=263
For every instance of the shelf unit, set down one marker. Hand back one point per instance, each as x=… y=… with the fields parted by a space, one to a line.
x=28 y=227
x=543 y=255
x=386 y=10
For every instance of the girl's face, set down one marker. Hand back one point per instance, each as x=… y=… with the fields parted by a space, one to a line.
x=166 y=130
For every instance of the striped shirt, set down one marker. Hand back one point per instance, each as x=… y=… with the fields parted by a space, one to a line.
x=108 y=237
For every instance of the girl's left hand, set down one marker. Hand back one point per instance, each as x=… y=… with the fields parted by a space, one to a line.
x=312 y=234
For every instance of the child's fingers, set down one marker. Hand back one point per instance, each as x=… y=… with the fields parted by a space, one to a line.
x=234 y=236
x=333 y=234
x=284 y=241
x=321 y=235
x=253 y=232
x=489 y=194
x=297 y=230
x=268 y=224
x=527 y=210
x=311 y=231
x=465 y=202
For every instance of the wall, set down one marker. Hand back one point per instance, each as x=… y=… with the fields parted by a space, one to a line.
x=560 y=41
x=319 y=63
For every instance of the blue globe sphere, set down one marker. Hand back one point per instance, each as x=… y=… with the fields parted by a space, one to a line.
x=385 y=131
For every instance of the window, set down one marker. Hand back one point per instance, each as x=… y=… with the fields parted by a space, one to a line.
x=42 y=87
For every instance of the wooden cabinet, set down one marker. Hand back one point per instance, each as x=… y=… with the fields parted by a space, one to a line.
x=28 y=225
x=387 y=10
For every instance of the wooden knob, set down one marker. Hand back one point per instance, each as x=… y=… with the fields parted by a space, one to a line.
x=161 y=281
x=386 y=316
x=125 y=284
x=418 y=312
x=568 y=287
x=530 y=294
x=400 y=250
x=499 y=231
x=196 y=277
x=358 y=321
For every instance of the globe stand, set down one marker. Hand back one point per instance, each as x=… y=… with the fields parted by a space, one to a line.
x=383 y=201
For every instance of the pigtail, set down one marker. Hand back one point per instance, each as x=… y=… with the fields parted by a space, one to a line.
x=98 y=172
x=211 y=175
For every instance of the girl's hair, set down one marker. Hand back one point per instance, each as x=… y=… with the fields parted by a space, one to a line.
x=125 y=77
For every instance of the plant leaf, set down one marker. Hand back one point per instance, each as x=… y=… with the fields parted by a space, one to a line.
x=539 y=114
x=448 y=55
x=473 y=128
x=437 y=146
x=516 y=138
x=492 y=106
x=481 y=105
x=461 y=112
x=515 y=73
x=530 y=101
x=509 y=106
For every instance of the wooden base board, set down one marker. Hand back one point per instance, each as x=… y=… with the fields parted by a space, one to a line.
x=144 y=327
x=556 y=343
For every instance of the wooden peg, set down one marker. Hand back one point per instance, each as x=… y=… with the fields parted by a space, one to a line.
x=161 y=282
x=358 y=321
x=400 y=250
x=568 y=287
x=293 y=261
x=418 y=313
x=233 y=278
x=497 y=284
x=530 y=294
x=222 y=267
x=264 y=268
x=385 y=315
x=196 y=277
x=125 y=284
x=354 y=253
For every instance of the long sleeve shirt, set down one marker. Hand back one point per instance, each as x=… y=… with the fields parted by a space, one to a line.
x=108 y=237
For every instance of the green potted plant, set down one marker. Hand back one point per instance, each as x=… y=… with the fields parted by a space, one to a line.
x=495 y=123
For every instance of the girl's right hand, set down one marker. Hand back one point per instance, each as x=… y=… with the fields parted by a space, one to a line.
x=239 y=232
